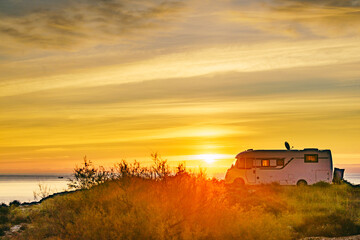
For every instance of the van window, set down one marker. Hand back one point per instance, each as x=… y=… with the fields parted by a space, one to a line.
x=241 y=163
x=249 y=163
x=265 y=163
x=279 y=162
x=311 y=158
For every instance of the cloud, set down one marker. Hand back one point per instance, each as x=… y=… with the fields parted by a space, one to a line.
x=298 y=18
x=230 y=86
x=324 y=3
x=84 y=22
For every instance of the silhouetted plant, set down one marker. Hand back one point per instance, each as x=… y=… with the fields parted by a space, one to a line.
x=43 y=192
x=123 y=168
x=87 y=176
x=161 y=168
x=201 y=174
x=4 y=211
x=181 y=169
x=190 y=206
x=137 y=171
x=15 y=203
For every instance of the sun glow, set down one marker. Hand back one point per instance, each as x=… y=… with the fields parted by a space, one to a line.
x=209 y=158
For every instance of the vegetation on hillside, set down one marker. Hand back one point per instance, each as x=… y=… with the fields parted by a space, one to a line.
x=133 y=202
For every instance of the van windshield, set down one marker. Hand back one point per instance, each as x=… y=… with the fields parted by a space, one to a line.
x=240 y=163
x=244 y=163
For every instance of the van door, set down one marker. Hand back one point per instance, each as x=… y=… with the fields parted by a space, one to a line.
x=322 y=175
x=250 y=170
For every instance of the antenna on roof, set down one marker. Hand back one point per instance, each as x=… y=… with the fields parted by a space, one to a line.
x=287 y=145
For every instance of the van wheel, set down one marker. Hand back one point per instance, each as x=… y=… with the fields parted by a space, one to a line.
x=301 y=183
x=239 y=182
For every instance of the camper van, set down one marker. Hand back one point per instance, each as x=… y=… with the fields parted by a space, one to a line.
x=286 y=167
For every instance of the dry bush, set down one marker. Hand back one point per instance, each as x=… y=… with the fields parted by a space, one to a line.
x=179 y=207
x=152 y=203
x=88 y=175
x=43 y=192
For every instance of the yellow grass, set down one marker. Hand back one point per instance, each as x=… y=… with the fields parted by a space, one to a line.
x=188 y=206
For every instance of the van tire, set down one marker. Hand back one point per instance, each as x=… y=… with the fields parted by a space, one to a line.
x=239 y=182
x=301 y=182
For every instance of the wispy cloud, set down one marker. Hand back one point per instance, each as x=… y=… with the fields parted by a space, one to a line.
x=301 y=17
x=84 y=22
x=231 y=86
x=123 y=78
x=257 y=57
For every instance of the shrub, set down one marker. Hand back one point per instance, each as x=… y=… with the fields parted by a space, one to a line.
x=4 y=212
x=160 y=167
x=182 y=207
x=3 y=229
x=15 y=203
x=43 y=192
x=133 y=202
x=322 y=184
x=87 y=176
x=333 y=225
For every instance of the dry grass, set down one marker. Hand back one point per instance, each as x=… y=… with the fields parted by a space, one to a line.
x=188 y=206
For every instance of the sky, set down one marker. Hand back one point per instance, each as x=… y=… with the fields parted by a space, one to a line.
x=194 y=80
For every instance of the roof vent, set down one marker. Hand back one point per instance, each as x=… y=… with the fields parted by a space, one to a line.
x=249 y=150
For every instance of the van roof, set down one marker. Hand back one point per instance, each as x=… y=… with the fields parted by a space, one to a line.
x=283 y=150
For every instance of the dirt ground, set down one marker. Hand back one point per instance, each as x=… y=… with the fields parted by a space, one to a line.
x=355 y=237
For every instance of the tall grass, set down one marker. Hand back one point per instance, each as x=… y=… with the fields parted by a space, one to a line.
x=136 y=203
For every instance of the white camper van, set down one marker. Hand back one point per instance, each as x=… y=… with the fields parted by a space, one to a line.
x=286 y=167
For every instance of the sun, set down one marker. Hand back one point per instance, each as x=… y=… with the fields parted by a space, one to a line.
x=209 y=158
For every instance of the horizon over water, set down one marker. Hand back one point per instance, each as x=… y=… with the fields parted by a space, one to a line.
x=353 y=178
x=21 y=187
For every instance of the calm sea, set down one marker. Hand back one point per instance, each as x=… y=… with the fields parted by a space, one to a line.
x=22 y=187
x=354 y=178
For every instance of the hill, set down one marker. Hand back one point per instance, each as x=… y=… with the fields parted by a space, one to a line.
x=190 y=206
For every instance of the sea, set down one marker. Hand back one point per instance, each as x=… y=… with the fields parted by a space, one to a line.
x=23 y=187
x=353 y=178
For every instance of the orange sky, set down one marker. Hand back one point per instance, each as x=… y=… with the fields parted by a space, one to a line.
x=193 y=80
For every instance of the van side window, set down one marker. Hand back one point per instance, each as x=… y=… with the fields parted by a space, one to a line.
x=241 y=163
x=265 y=163
x=249 y=163
x=311 y=158
x=279 y=162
